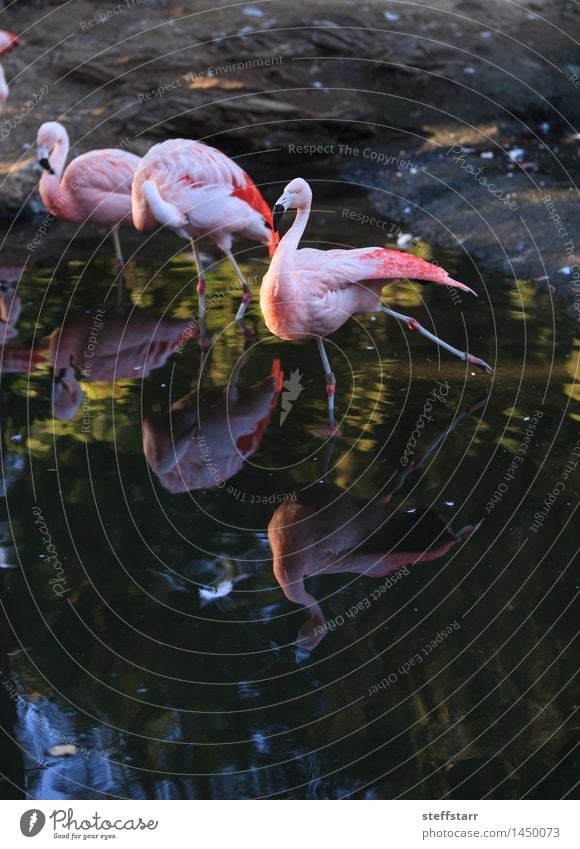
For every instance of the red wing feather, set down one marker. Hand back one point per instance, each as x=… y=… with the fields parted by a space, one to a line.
x=250 y=194
x=7 y=41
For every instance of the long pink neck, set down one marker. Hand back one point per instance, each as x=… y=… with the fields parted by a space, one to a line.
x=283 y=260
x=50 y=189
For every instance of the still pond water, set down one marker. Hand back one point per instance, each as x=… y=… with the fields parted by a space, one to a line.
x=143 y=622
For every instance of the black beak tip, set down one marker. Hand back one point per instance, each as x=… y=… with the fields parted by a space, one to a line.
x=44 y=163
x=277 y=214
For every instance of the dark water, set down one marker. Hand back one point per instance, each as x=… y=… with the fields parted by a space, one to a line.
x=155 y=636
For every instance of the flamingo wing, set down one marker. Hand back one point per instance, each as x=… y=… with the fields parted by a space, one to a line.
x=340 y=269
x=108 y=171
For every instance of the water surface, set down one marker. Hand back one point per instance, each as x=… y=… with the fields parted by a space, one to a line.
x=161 y=644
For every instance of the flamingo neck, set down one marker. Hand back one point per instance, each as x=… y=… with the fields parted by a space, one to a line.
x=50 y=188
x=166 y=213
x=283 y=260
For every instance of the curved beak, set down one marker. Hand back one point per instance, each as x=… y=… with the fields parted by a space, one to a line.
x=280 y=207
x=44 y=163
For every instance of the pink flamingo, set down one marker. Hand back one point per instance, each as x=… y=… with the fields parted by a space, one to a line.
x=308 y=293
x=198 y=191
x=96 y=186
x=7 y=42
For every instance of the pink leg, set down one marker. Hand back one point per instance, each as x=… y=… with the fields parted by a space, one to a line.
x=413 y=324
x=330 y=384
x=201 y=285
x=247 y=296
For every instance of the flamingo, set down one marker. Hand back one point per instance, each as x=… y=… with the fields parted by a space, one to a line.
x=7 y=42
x=308 y=293
x=96 y=186
x=198 y=191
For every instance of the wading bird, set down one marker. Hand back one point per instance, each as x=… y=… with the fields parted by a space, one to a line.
x=308 y=293
x=198 y=191
x=7 y=42
x=95 y=187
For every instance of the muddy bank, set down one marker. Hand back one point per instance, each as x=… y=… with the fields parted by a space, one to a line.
x=265 y=79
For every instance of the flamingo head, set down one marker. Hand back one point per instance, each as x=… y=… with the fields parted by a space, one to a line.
x=297 y=195
x=49 y=135
x=8 y=41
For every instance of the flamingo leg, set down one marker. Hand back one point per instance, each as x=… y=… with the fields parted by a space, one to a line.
x=413 y=324
x=330 y=383
x=247 y=296
x=201 y=287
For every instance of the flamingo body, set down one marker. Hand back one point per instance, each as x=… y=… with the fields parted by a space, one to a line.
x=96 y=186
x=323 y=289
x=199 y=191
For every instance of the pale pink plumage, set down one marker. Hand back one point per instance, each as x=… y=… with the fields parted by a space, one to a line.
x=96 y=186
x=203 y=193
x=7 y=42
x=310 y=293
x=199 y=192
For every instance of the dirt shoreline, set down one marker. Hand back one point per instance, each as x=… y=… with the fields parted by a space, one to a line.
x=412 y=84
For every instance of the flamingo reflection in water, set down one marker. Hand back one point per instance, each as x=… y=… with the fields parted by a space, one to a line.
x=107 y=344
x=206 y=436
x=15 y=358
x=328 y=531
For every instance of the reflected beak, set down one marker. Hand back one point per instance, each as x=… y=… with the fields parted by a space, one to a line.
x=44 y=163
x=279 y=209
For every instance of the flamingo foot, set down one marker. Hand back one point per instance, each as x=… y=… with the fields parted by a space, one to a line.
x=476 y=361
